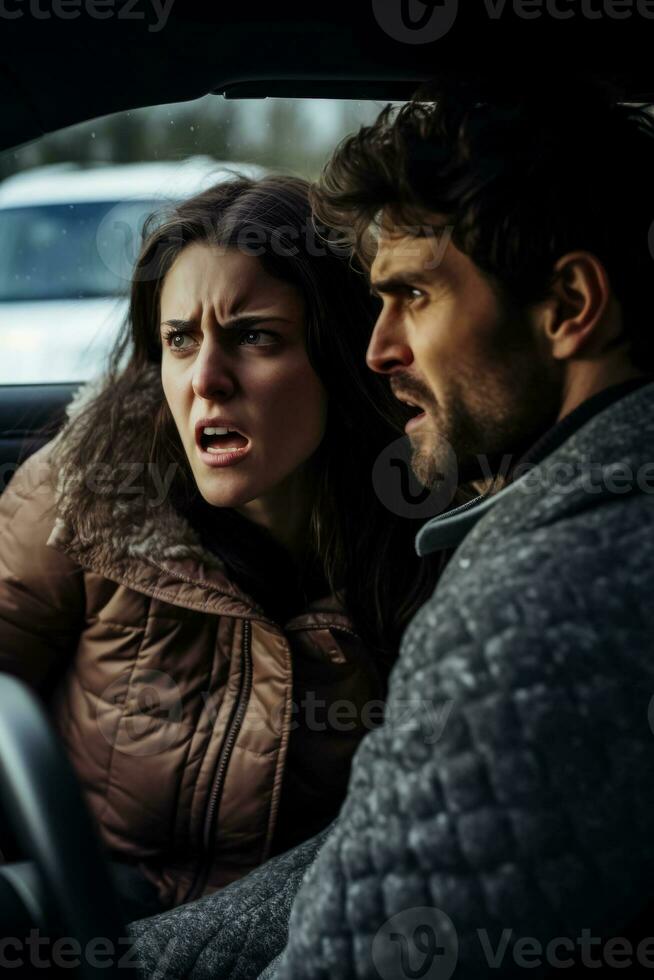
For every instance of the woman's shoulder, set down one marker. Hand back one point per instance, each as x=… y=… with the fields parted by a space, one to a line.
x=27 y=521
x=32 y=487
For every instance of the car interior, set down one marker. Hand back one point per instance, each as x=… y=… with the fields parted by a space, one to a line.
x=60 y=71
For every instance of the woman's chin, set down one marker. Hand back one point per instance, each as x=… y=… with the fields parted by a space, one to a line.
x=223 y=490
x=224 y=498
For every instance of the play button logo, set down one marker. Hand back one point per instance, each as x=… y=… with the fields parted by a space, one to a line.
x=415 y=21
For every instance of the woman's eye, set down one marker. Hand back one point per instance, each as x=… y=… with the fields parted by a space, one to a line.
x=256 y=338
x=173 y=338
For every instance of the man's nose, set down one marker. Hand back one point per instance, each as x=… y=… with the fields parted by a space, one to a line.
x=388 y=350
x=213 y=374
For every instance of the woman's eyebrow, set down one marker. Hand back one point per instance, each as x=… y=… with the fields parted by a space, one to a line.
x=252 y=319
x=178 y=324
x=233 y=324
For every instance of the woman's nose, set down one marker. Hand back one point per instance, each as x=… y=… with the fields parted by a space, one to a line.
x=213 y=374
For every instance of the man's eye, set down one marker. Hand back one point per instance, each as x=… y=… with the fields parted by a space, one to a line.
x=413 y=294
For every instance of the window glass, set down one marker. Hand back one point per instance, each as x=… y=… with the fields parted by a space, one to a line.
x=54 y=251
x=73 y=204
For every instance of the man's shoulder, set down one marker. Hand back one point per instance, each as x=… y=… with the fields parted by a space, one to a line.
x=595 y=548
x=573 y=595
x=609 y=460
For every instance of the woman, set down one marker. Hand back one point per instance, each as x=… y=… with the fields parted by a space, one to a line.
x=196 y=571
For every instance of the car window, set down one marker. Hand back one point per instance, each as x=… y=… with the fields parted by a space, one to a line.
x=67 y=251
x=73 y=205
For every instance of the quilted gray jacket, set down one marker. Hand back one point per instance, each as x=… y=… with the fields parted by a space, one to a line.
x=507 y=802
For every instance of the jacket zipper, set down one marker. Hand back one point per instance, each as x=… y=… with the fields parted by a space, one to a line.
x=339 y=628
x=233 y=728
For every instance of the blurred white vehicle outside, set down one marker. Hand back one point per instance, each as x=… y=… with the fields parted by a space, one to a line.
x=68 y=241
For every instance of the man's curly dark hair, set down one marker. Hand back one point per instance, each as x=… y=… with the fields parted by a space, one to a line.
x=524 y=173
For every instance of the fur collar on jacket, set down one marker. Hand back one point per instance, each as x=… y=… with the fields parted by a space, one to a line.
x=104 y=515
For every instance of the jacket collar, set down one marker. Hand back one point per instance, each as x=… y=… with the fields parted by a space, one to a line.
x=604 y=434
x=150 y=547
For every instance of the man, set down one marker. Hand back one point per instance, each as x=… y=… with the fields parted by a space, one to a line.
x=507 y=235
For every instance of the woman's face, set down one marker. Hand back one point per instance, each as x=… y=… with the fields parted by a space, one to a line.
x=234 y=357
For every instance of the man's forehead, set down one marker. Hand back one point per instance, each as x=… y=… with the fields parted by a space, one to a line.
x=414 y=223
x=407 y=249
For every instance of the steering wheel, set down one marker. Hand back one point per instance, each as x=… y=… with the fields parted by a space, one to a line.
x=64 y=887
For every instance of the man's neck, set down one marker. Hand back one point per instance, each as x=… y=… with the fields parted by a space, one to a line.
x=589 y=378
x=581 y=387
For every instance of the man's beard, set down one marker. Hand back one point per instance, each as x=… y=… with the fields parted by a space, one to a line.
x=483 y=429
x=434 y=455
x=437 y=449
x=429 y=458
x=486 y=436
x=426 y=462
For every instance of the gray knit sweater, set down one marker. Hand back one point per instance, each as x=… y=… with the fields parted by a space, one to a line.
x=508 y=799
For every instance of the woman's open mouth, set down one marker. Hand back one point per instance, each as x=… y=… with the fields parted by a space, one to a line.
x=221 y=446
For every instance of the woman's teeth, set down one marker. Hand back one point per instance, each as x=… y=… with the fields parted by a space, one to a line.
x=220 y=440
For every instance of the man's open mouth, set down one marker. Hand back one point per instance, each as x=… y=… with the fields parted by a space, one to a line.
x=416 y=411
x=415 y=420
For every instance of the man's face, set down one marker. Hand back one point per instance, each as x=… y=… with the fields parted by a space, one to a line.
x=477 y=368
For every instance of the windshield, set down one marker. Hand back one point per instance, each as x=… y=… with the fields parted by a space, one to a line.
x=68 y=251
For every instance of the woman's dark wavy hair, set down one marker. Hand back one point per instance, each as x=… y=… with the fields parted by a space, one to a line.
x=360 y=546
x=524 y=172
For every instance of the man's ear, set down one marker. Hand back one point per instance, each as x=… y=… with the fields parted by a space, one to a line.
x=575 y=315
